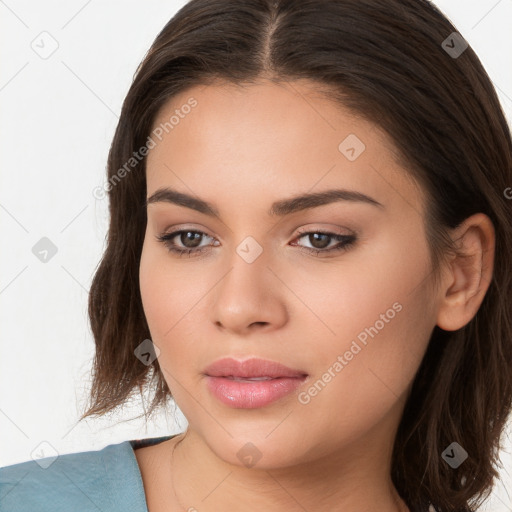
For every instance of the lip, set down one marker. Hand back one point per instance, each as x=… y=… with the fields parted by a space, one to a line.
x=253 y=367
x=226 y=381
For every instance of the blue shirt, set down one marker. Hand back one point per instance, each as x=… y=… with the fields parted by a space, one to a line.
x=107 y=480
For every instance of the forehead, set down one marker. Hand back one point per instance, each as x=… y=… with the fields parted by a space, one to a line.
x=284 y=138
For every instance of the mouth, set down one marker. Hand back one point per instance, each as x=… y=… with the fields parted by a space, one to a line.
x=252 y=383
x=251 y=369
x=249 y=379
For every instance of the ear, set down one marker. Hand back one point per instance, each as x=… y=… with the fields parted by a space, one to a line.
x=468 y=277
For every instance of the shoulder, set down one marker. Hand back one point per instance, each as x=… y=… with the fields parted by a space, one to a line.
x=107 y=479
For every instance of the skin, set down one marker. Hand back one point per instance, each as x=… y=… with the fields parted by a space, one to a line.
x=242 y=149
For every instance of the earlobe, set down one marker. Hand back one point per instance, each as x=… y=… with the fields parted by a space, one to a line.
x=469 y=273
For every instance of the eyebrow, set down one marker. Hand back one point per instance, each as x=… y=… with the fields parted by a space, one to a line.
x=279 y=208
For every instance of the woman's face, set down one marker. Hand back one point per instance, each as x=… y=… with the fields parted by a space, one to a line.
x=356 y=320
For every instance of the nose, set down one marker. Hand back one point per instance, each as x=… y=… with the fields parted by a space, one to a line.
x=250 y=296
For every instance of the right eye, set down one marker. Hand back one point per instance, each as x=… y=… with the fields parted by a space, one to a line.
x=185 y=236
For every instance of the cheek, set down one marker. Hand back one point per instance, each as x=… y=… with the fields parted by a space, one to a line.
x=378 y=280
x=171 y=295
x=380 y=320
x=161 y=293
x=367 y=375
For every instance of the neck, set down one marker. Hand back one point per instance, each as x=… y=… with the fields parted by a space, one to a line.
x=354 y=478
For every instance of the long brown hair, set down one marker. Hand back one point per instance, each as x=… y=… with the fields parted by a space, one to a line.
x=398 y=64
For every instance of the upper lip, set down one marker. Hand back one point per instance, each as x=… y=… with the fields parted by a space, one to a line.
x=253 y=367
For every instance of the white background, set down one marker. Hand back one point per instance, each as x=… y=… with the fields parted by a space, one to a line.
x=58 y=119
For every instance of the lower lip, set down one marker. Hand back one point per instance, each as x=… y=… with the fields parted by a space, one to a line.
x=252 y=394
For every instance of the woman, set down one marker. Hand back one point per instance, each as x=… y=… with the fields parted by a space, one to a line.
x=308 y=251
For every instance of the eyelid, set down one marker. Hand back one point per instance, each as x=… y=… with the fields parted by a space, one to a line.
x=185 y=227
x=329 y=230
x=302 y=230
x=344 y=242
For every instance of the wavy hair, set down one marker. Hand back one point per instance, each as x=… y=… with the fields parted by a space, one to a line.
x=388 y=61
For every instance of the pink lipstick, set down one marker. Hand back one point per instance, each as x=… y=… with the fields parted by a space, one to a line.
x=251 y=383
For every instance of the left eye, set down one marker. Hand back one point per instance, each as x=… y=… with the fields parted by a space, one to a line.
x=321 y=239
x=191 y=240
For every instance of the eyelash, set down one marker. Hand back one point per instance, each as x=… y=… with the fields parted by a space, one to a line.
x=345 y=242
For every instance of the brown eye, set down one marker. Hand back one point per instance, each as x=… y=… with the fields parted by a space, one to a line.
x=321 y=240
x=192 y=237
x=188 y=241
